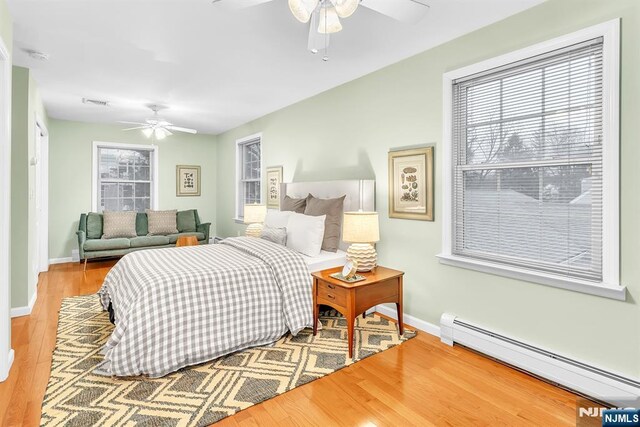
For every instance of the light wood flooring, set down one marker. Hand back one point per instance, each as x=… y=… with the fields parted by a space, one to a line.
x=421 y=382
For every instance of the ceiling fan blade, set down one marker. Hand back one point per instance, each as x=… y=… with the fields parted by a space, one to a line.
x=317 y=41
x=137 y=127
x=132 y=123
x=179 y=129
x=411 y=11
x=238 y=4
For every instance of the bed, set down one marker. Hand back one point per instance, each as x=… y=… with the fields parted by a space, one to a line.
x=177 y=307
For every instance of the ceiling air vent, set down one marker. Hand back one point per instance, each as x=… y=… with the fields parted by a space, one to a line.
x=99 y=102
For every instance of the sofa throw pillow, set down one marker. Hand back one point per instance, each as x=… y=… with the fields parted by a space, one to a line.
x=333 y=209
x=186 y=221
x=295 y=205
x=94 y=225
x=275 y=235
x=119 y=224
x=162 y=222
x=305 y=233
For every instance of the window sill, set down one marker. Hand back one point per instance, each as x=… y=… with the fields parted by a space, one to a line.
x=577 y=285
x=238 y=220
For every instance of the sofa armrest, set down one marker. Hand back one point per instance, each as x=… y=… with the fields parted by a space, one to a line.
x=204 y=228
x=82 y=237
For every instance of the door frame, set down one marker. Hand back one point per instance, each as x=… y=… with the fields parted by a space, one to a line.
x=42 y=193
x=6 y=353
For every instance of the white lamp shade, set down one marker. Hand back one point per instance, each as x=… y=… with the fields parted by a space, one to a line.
x=302 y=9
x=345 y=8
x=147 y=132
x=254 y=214
x=360 y=227
x=160 y=133
x=329 y=21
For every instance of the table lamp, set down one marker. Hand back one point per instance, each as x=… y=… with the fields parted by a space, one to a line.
x=361 y=229
x=254 y=216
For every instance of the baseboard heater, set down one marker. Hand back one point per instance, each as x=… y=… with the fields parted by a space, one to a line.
x=580 y=377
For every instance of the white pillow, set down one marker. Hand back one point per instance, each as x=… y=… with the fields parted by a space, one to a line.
x=277 y=219
x=305 y=233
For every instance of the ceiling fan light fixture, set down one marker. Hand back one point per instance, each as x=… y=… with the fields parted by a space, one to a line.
x=302 y=9
x=160 y=134
x=147 y=132
x=329 y=21
x=345 y=8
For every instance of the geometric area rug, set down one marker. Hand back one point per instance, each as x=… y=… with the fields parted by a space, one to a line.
x=197 y=395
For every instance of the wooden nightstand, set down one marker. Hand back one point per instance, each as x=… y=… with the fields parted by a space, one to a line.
x=352 y=299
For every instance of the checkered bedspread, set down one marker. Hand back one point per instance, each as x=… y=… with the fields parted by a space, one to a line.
x=177 y=307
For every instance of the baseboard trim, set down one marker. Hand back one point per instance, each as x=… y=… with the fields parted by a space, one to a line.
x=410 y=320
x=586 y=379
x=26 y=310
x=60 y=260
x=5 y=374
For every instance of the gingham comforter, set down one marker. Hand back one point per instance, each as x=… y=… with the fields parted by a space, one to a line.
x=177 y=307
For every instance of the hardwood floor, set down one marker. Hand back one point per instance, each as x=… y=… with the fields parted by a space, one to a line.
x=421 y=382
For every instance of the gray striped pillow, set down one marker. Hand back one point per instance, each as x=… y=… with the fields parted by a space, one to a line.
x=275 y=235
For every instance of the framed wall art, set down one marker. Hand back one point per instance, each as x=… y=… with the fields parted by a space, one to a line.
x=411 y=184
x=274 y=179
x=187 y=180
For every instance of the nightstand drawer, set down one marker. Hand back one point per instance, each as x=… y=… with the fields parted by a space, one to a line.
x=332 y=293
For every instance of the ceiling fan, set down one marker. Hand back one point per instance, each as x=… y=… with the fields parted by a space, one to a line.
x=156 y=126
x=324 y=15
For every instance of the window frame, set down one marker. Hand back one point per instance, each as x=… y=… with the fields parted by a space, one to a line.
x=95 y=179
x=240 y=143
x=610 y=285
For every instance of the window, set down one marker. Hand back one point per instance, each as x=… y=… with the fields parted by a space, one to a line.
x=530 y=165
x=249 y=173
x=124 y=177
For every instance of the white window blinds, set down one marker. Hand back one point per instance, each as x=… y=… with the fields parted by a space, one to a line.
x=527 y=163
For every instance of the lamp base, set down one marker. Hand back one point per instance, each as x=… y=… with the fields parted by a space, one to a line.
x=254 y=230
x=364 y=254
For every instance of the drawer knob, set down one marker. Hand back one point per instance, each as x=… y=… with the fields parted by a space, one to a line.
x=330 y=296
x=331 y=287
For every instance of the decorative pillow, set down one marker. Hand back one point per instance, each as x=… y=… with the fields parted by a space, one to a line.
x=162 y=222
x=277 y=219
x=186 y=221
x=295 y=205
x=275 y=235
x=94 y=225
x=119 y=224
x=332 y=208
x=305 y=233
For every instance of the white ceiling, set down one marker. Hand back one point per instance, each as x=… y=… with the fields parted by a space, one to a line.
x=215 y=68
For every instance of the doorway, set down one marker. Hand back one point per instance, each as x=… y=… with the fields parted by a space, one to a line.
x=40 y=262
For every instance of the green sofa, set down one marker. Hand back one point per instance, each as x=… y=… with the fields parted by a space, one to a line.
x=91 y=245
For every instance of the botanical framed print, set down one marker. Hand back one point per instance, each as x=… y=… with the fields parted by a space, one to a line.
x=187 y=180
x=274 y=179
x=411 y=184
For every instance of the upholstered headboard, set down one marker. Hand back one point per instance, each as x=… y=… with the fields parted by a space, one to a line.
x=360 y=193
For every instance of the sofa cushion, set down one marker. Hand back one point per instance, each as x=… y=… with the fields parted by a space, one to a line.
x=142 y=224
x=144 y=241
x=162 y=222
x=94 y=225
x=118 y=224
x=173 y=238
x=186 y=221
x=106 y=244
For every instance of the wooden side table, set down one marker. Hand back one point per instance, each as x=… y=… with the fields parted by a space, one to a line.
x=352 y=299
x=187 y=241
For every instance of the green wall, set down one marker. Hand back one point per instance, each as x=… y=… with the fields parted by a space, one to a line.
x=70 y=169
x=347 y=132
x=26 y=104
